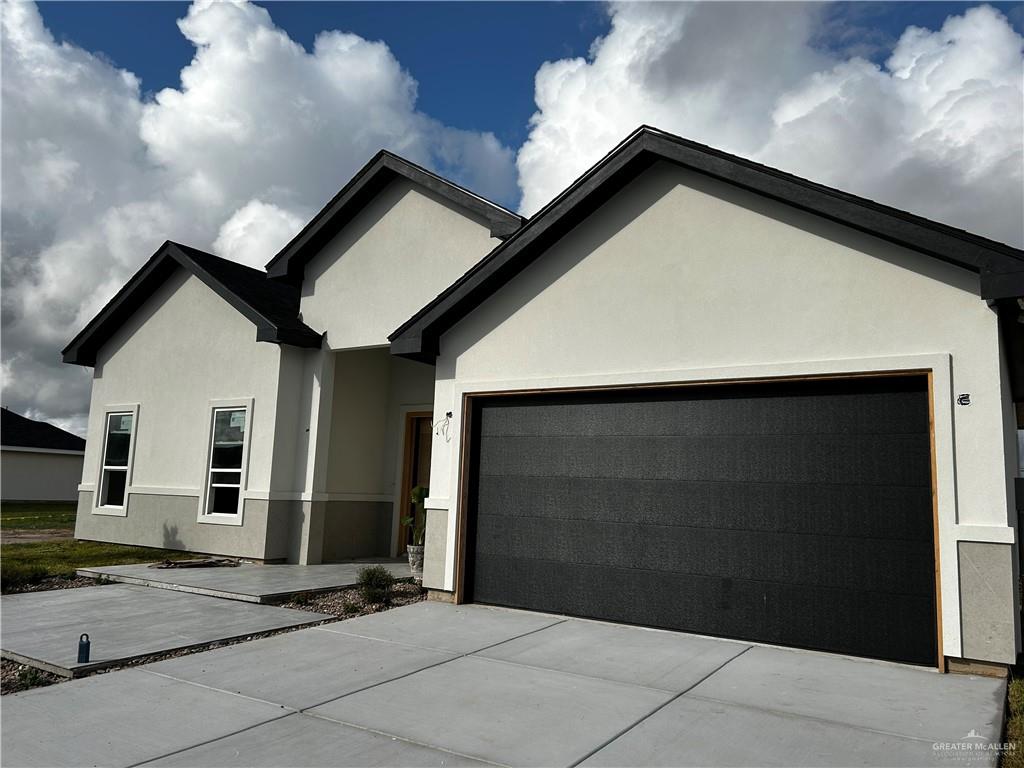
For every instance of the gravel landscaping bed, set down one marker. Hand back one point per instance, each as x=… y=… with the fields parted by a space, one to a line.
x=349 y=603
x=57 y=582
x=16 y=677
x=336 y=606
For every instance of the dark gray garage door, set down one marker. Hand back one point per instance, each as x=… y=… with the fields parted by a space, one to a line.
x=793 y=513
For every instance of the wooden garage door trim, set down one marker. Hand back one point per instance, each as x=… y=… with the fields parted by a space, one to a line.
x=470 y=399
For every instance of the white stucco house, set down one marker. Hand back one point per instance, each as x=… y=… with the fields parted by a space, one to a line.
x=692 y=392
x=38 y=460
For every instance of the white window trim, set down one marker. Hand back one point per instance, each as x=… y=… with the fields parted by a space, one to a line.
x=215 y=518
x=97 y=507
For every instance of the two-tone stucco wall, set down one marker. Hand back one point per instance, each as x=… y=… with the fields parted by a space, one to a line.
x=183 y=350
x=406 y=246
x=681 y=278
x=372 y=394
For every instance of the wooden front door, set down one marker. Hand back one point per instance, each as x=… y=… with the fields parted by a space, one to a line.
x=416 y=469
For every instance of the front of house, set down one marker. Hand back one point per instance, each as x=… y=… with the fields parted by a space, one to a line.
x=692 y=393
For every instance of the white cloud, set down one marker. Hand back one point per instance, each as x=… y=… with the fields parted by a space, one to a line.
x=255 y=232
x=260 y=134
x=937 y=130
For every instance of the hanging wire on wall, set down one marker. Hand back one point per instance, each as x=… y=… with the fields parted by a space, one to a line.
x=444 y=428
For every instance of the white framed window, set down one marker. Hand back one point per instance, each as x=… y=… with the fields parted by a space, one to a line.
x=112 y=486
x=227 y=462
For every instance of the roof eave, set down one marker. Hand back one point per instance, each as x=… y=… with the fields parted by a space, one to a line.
x=170 y=255
x=1002 y=285
x=997 y=264
x=293 y=337
x=383 y=168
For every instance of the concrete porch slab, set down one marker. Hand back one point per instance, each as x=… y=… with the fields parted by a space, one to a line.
x=499 y=712
x=125 y=622
x=882 y=696
x=314 y=743
x=120 y=719
x=247 y=582
x=301 y=669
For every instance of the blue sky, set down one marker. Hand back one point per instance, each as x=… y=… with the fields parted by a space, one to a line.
x=96 y=175
x=474 y=62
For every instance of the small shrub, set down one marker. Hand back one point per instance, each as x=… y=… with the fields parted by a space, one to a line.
x=348 y=607
x=30 y=677
x=375 y=584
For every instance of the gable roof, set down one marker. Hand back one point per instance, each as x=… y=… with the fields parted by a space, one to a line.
x=17 y=431
x=271 y=305
x=1000 y=267
x=382 y=169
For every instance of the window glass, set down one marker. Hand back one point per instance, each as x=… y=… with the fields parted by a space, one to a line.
x=228 y=438
x=224 y=479
x=113 y=487
x=119 y=438
x=224 y=501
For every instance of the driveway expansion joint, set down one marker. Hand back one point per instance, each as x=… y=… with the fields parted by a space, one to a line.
x=658 y=708
x=217 y=690
x=580 y=675
x=454 y=657
x=209 y=741
x=406 y=739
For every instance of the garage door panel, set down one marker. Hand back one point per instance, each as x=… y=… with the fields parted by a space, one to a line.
x=858 y=459
x=722 y=607
x=678 y=601
x=728 y=411
x=798 y=514
x=841 y=510
x=753 y=555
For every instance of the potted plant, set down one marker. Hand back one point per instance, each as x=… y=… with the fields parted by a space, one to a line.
x=418 y=522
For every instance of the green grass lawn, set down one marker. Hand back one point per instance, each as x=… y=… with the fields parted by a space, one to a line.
x=30 y=515
x=30 y=562
x=1015 y=725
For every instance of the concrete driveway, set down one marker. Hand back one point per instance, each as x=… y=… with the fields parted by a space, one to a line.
x=434 y=684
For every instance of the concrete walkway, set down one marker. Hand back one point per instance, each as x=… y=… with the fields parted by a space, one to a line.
x=247 y=582
x=125 y=622
x=435 y=684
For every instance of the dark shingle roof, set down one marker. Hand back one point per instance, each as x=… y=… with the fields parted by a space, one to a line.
x=272 y=305
x=18 y=431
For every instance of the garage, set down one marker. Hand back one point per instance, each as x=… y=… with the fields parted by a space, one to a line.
x=790 y=512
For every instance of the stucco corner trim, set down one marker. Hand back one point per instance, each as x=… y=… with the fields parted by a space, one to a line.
x=991 y=534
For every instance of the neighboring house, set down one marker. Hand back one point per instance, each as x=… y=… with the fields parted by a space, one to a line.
x=38 y=461
x=692 y=392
